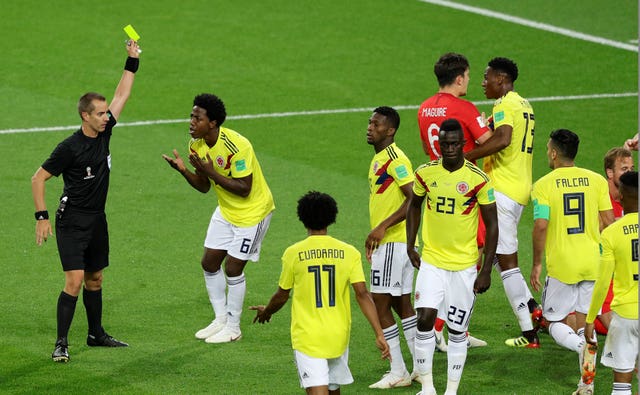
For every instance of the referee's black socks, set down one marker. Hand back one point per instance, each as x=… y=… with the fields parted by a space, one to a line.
x=66 y=309
x=93 y=304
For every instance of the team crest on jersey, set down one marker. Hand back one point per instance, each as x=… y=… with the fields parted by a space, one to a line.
x=417 y=297
x=462 y=187
x=220 y=161
x=375 y=167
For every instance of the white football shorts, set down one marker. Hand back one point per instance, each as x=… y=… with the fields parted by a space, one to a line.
x=621 y=347
x=391 y=270
x=315 y=372
x=509 y=213
x=560 y=299
x=240 y=242
x=452 y=291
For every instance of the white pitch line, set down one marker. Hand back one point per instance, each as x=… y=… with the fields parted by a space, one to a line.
x=533 y=24
x=320 y=112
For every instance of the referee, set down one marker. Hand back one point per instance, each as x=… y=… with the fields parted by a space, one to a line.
x=84 y=161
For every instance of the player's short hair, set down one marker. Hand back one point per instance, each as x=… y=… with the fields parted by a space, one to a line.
x=565 y=142
x=451 y=125
x=317 y=210
x=506 y=66
x=630 y=180
x=393 y=118
x=85 y=103
x=613 y=155
x=450 y=66
x=213 y=105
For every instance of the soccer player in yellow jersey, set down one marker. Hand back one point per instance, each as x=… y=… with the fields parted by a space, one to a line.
x=508 y=162
x=620 y=260
x=225 y=160
x=568 y=205
x=319 y=270
x=617 y=161
x=390 y=182
x=456 y=193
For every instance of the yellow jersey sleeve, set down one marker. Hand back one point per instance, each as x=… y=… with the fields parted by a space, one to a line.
x=390 y=169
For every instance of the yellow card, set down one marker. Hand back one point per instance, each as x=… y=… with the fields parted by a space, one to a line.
x=131 y=32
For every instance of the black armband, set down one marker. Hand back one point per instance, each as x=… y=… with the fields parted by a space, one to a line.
x=40 y=215
x=132 y=64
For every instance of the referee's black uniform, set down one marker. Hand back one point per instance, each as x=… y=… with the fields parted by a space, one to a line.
x=81 y=226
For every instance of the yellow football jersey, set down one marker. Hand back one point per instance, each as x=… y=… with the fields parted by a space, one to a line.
x=450 y=213
x=320 y=270
x=233 y=157
x=389 y=170
x=510 y=169
x=571 y=199
x=620 y=260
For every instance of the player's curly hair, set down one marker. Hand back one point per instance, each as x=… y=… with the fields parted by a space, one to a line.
x=566 y=142
x=505 y=65
x=317 y=210
x=213 y=105
x=393 y=118
x=450 y=66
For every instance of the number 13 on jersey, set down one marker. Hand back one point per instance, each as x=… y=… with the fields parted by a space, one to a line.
x=527 y=137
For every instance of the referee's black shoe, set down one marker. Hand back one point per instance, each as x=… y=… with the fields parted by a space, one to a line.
x=61 y=352
x=104 y=341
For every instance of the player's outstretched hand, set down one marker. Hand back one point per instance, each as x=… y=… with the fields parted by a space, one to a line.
x=382 y=345
x=176 y=163
x=261 y=316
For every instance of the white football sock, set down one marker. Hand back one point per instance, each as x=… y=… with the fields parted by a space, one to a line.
x=456 y=357
x=621 y=389
x=516 y=289
x=425 y=346
x=235 y=299
x=409 y=327
x=566 y=337
x=216 y=287
x=392 y=336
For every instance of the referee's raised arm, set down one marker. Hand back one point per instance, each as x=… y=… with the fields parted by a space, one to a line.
x=123 y=90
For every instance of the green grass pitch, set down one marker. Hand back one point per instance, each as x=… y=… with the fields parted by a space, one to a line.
x=327 y=64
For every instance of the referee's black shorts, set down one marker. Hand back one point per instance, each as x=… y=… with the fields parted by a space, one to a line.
x=83 y=240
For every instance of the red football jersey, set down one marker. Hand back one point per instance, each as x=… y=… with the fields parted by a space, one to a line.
x=441 y=106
